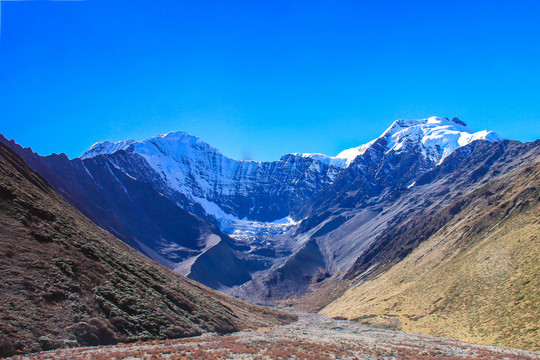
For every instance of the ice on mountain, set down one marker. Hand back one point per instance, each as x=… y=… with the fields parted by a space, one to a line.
x=201 y=173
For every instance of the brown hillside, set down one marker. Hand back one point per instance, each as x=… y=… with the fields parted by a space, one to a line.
x=67 y=282
x=476 y=279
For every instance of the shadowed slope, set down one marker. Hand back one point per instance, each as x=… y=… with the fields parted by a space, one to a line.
x=67 y=282
x=136 y=212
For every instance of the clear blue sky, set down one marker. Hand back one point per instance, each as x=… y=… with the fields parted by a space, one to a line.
x=258 y=79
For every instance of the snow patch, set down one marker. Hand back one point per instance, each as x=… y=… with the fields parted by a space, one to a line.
x=256 y=232
x=214 y=210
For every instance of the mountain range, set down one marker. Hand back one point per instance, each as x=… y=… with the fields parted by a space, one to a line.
x=333 y=234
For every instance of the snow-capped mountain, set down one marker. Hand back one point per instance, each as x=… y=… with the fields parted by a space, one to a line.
x=230 y=189
x=438 y=137
x=152 y=183
x=199 y=176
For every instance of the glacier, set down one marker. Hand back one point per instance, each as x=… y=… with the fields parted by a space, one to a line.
x=224 y=188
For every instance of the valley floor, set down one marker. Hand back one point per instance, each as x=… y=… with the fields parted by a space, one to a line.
x=311 y=337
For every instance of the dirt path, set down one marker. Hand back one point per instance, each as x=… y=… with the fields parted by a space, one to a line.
x=311 y=337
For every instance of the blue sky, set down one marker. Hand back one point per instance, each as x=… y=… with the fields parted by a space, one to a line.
x=258 y=79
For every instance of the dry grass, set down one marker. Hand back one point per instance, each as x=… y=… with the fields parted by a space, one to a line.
x=234 y=347
x=477 y=279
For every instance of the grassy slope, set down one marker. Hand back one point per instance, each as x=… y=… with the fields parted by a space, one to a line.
x=477 y=279
x=67 y=282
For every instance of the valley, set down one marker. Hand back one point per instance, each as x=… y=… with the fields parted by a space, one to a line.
x=431 y=228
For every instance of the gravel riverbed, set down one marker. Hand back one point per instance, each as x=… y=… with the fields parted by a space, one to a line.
x=311 y=337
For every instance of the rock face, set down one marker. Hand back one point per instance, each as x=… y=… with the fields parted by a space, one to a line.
x=67 y=282
x=199 y=178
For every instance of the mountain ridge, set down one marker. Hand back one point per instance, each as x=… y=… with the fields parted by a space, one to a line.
x=433 y=128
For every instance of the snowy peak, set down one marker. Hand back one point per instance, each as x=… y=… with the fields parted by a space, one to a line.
x=350 y=154
x=431 y=123
x=170 y=142
x=176 y=145
x=325 y=159
x=343 y=159
x=177 y=139
x=107 y=147
x=202 y=180
x=437 y=137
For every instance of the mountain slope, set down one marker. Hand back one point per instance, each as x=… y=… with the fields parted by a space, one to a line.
x=464 y=171
x=355 y=223
x=135 y=211
x=67 y=282
x=475 y=278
